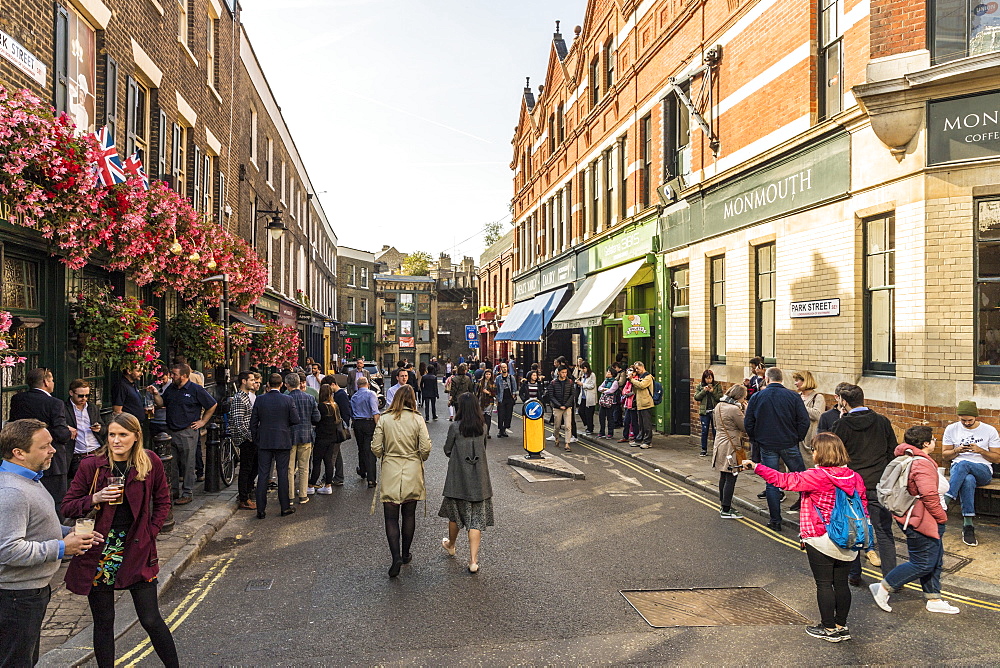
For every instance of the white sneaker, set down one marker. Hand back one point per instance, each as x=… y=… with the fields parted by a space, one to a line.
x=881 y=595
x=325 y=490
x=311 y=490
x=572 y=439
x=550 y=438
x=941 y=605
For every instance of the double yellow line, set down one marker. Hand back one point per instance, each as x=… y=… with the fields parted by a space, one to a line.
x=759 y=528
x=181 y=612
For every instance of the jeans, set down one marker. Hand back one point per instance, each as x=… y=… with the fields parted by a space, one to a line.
x=629 y=424
x=364 y=430
x=707 y=423
x=21 y=615
x=505 y=413
x=645 y=416
x=833 y=594
x=298 y=469
x=265 y=459
x=563 y=419
x=771 y=458
x=248 y=470
x=430 y=408
x=727 y=487
x=185 y=443
x=587 y=415
x=607 y=419
x=965 y=477
x=882 y=523
x=925 y=564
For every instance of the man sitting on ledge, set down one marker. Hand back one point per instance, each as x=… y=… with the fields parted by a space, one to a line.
x=971 y=447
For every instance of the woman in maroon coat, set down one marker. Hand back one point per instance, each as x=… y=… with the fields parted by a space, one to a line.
x=128 y=560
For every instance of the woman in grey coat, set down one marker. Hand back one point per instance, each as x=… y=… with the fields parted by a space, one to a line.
x=468 y=495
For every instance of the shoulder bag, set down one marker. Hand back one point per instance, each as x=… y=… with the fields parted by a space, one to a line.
x=340 y=431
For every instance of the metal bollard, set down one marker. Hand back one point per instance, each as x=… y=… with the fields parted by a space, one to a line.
x=213 y=445
x=162 y=446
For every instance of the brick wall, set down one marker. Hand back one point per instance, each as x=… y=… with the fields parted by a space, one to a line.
x=897 y=26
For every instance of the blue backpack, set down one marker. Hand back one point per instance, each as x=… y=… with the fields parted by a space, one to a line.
x=657 y=393
x=848 y=526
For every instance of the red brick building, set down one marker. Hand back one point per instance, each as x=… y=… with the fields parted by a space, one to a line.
x=496 y=295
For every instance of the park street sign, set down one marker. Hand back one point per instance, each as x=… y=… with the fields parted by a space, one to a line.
x=818 y=308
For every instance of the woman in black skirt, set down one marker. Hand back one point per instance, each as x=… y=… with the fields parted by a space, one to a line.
x=468 y=495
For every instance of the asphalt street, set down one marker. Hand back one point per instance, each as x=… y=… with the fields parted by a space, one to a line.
x=548 y=591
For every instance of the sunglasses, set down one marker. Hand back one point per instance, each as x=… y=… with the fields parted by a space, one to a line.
x=81 y=396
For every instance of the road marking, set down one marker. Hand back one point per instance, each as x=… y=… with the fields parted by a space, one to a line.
x=183 y=609
x=629 y=480
x=761 y=529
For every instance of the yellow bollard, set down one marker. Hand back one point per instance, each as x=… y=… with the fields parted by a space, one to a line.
x=534 y=428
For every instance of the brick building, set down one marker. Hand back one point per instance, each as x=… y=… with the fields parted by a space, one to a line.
x=817 y=184
x=356 y=307
x=178 y=83
x=496 y=294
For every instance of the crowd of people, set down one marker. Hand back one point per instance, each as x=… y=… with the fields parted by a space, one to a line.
x=763 y=426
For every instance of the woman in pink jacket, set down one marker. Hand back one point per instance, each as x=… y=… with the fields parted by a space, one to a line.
x=923 y=526
x=830 y=563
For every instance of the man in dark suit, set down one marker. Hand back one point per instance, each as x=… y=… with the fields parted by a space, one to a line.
x=38 y=403
x=271 y=423
x=83 y=415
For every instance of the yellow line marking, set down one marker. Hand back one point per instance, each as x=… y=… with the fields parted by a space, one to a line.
x=183 y=609
x=759 y=528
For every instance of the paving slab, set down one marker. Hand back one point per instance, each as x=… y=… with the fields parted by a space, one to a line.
x=549 y=463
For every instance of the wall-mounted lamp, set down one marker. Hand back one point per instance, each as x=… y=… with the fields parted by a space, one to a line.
x=274 y=226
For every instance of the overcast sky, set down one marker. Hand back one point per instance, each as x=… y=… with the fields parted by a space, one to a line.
x=404 y=110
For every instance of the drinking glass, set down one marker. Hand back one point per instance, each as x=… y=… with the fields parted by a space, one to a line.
x=117 y=482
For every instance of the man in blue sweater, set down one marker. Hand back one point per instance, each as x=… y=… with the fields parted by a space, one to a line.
x=776 y=422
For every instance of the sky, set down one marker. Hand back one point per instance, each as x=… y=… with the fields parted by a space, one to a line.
x=403 y=110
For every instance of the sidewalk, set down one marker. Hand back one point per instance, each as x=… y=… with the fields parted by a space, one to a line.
x=66 y=636
x=677 y=456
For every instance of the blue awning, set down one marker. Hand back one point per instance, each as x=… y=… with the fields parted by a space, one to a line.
x=528 y=320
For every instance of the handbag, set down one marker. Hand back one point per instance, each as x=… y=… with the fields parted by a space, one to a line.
x=341 y=433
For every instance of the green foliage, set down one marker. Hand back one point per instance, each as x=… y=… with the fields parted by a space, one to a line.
x=196 y=336
x=114 y=331
x=493 y=233
x=417 y=264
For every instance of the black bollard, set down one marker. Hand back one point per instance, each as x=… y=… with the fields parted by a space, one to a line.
x=165 y=451
x=213 y=444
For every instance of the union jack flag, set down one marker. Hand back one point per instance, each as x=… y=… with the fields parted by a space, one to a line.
x=109 y=165
x=133 y=165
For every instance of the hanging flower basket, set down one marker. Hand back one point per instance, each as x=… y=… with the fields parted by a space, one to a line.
x=196 y=336
x=240 y=338
x=276 y=345
x=114 y=331
x=7 y=360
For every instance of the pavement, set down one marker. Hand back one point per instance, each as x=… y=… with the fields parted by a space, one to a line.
x=67 y=630
x=678 y=457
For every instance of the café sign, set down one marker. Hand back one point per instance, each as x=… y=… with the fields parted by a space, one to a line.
x=623 y=247
x=636 y=326
x=963 y=128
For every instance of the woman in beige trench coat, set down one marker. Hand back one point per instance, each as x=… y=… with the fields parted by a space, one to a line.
x=729 y=433
x=402 y=444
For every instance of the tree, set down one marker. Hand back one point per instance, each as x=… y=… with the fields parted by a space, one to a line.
x=493 y=233
x=417 y=264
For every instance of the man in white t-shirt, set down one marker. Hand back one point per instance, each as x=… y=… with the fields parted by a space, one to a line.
x=971 y=447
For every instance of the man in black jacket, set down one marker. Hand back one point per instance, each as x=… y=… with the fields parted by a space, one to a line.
x=83 y=415
x=776 y=422
x=828 y=419
x=561 y=395
x=38 y=403
x=271 y=422
x=871 y=445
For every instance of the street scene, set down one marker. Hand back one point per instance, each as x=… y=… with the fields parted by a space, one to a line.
x=563 y=333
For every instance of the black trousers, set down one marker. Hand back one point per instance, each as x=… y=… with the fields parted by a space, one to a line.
x=248 y=470
x=587 y=415
x=21 y=614
x=147 y=609
x=833 y=594
x=882 y=523
x=727 y=487
x=505 y=414
x=364 y=430
x=264 y=460
x=645 y=426
x=430 y=408
x=326 y=455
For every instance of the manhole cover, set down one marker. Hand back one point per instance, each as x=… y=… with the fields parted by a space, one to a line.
x=259 y=585
x=735 y=606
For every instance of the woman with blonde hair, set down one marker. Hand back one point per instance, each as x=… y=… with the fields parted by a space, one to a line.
x=402 y=444
x=130 y=514
x=830 y=563
x=815 y=403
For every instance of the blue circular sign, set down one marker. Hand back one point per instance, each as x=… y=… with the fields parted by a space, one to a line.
x=533 y=409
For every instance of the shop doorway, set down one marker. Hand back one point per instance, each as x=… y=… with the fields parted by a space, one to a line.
x=680 y=408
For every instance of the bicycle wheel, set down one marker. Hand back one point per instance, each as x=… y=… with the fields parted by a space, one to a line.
x=227 y=461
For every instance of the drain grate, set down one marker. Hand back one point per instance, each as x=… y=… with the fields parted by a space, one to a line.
x=734 y=606
x=259 y=585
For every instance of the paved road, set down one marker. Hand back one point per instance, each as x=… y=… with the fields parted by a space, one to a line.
x=548 y=591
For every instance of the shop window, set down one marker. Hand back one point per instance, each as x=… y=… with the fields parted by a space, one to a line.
x=26 y=343
x=406 y=302
x=646 y=161
x=390 y=305
x=76 y=68
x=987 y=214
x=680 y=285
x=424 y=331
x=20 y=284
x=388 y=329
x=879 y=296
x=766 y=284
x=423 y=303
x=831 y=57
x=962 y=28
x=718 y=309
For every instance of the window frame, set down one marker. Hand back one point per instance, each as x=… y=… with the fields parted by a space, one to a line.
x=871 y=367
x=595 y=81
x=831 y=48
x=608 y=162
x=136 y=119
x=646 y=160
x=610 y=55
x=717 y=309
x=183 y=29
x=623 y=176
x=760 y=302
x=178 y=157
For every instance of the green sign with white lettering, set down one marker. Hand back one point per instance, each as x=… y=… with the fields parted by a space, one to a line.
x=636 y=326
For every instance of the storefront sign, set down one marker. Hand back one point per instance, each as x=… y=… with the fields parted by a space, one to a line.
x=23 y=59
x=963 y=128
x=268 y=304
x=407 y=342
x=819 y=308
x=560 y=273
x=288 y=315
x=526 y=287
x=636 y=326
x=628 y=245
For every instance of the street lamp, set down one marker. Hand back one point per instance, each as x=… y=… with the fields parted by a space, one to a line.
x=465 y=303
x=274 y=226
